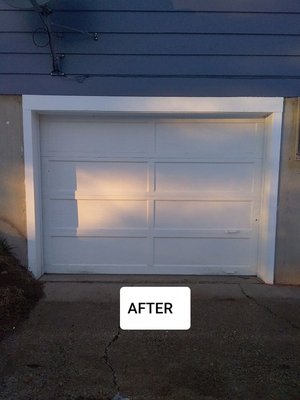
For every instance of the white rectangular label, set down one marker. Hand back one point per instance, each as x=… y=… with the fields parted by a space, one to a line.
x=155 y=308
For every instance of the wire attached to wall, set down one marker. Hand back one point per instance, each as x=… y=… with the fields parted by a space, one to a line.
x=45 y=12
x=44 y=15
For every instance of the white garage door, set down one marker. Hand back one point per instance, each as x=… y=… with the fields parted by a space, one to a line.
x=168 y=196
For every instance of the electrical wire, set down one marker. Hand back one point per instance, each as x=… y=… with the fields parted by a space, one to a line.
x=39 y=31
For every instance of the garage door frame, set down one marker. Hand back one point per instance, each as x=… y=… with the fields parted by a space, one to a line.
x=235 y=107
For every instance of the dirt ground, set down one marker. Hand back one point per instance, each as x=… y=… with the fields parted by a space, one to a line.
x=19 y=292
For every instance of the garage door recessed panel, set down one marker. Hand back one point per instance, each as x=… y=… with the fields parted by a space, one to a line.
x=221 y=138
x=64 y=135
x=204 y=177
x=98 y=214
x=202 y=251
x=112 y=178
x=203 y=215
x=97 y=178
x=98 y=251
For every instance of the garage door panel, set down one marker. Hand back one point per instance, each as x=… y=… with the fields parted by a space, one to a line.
x=214 y=138
x=77 y=177
x=204 y=177
x=83 y=136
x=203 y=215
x=112 y=214
x=99 y=214
x=155 y=196
x=110 y=178
x=202 y=251
x=98 y=251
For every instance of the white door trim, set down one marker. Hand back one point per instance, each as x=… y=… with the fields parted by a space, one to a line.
x=270 y=108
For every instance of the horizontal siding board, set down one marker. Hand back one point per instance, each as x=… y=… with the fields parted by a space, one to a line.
x=131 y=86
x=190 y=5
x=151 y=65
x=167 y=5
x=19 y=43
x=188 y=65
x=157 y=44
x=197 y=44
x=19 y=21
x=28 y=64
x=146 y=22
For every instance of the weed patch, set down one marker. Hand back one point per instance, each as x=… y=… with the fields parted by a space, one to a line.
x=19 y=290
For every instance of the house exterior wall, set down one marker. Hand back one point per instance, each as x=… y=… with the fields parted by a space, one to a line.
x=12 y=187
x=288 y=220
x=12 y=193
x=156 y=48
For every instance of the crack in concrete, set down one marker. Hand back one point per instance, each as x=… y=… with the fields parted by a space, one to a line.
x=107 y=361
x=268 y=309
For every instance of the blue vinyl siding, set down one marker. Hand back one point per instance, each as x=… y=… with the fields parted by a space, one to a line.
x=157 y=48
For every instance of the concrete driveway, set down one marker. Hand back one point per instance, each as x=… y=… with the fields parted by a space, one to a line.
x=244 y=344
